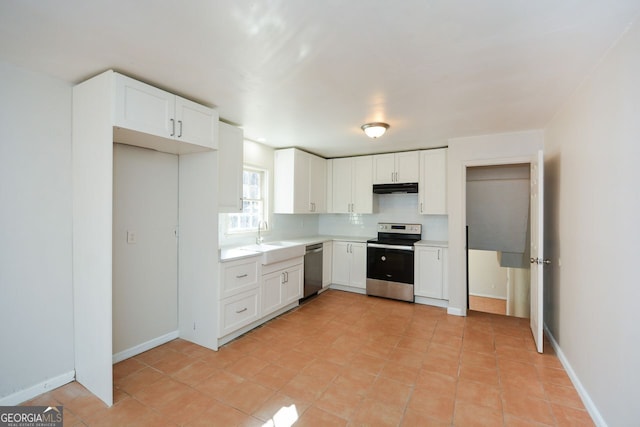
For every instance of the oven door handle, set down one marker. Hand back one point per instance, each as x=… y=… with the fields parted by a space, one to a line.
x=379 y=245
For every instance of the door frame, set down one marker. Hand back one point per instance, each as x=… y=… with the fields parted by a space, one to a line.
x=499 y=161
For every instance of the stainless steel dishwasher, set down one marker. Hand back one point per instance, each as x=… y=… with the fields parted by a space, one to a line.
x=312 y=270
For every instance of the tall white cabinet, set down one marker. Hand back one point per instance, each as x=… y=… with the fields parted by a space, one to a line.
x=432 y=186
x=352 y=185
x=98 y=121
x=230 y=166
x=300 y=182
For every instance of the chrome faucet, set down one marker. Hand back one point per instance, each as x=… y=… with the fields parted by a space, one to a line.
x=261 y=224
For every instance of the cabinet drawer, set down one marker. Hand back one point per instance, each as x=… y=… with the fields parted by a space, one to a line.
x=239 y=276
x=238 y=311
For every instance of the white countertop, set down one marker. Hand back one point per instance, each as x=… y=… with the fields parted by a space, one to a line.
x=436 y=243
x=240 y=252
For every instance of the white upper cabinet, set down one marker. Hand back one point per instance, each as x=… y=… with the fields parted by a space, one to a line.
x=230 y=165
x=300 y=182
x=351 y=181
x=396 y=167
x=432 y=187
x=148 y=110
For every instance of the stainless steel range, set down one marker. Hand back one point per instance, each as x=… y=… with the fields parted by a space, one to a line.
x=390 y=261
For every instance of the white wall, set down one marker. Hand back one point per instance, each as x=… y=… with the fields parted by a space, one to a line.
x=506 y=148
x=592 y=199
x=486 y=277
x=36 y=304
x=145 y=202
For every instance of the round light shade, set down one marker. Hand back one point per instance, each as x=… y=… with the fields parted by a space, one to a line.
x=375 y=130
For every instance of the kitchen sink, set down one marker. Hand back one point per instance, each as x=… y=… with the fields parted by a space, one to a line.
x=273 y=252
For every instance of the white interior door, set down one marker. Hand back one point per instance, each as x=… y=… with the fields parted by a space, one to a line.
x=537 y=244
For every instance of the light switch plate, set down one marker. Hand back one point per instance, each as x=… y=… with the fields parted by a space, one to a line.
x=131 y=237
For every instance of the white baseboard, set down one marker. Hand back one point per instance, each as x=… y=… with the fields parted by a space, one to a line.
x=586 y=399
x=456 y=311
x=431 y=301
x=38 y=389
x=349 y=289
x=475 y=294
x=141 y=348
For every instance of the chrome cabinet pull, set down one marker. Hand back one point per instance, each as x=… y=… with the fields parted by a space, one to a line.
x=173 y=127
x=241 y=311
x=241 y=276
x=180 y=123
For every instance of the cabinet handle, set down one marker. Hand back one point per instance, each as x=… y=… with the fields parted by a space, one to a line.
x=421 y=210
x=241 y=276
x=180 y=123
x=241 y=311
x=438 y=254
x=241 y=203
x=173 y=127
x=283 y=281
x=286 y=274
x=392 y=176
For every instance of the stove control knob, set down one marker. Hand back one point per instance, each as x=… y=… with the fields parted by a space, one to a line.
x=383 y=258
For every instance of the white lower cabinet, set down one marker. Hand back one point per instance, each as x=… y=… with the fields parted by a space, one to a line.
x=281 y=284
x=239 y=310
x=349 y=264
x=430 y=264
x=327 y=263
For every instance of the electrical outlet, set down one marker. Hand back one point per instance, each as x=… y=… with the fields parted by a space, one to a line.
x=131 y=237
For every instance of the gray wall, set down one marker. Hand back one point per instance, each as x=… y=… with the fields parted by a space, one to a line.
x=145 y=273
x=36 y=304
x=592 y=200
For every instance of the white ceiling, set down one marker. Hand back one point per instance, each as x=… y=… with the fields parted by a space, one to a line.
x=309 y=73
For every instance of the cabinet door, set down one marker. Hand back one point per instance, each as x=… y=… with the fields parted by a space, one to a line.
x=408 y=166
x=300 y=169
x=428 y=272
x=239 y=276
x=230 y=164
x=317 y=184
x=196 y=123
x=271 y=292
x=362 y=184
x=143 y=108
x=327 y=263
x=341 y=185
x=384 y=169
x=433 y=182
x=239 y=311
x=292 y=287
x=340 y=263
x=358 y=270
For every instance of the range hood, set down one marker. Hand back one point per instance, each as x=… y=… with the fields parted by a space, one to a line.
x=406 y=187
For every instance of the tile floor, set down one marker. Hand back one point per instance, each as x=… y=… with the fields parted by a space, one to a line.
x=343 y=359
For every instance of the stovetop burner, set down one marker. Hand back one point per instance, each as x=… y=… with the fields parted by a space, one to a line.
x=398 y=234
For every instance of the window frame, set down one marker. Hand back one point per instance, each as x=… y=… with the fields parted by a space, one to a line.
x=264 y=199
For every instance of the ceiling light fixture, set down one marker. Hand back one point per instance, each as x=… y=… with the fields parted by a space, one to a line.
x=375 y=130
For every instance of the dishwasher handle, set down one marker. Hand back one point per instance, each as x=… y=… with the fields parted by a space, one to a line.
x=313 y=249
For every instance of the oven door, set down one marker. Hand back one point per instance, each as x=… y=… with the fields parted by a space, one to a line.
x=390 y=263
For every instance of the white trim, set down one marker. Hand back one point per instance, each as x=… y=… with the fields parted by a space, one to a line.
x=349 y=289
x=233 y=335
x=38 y=389
x=141 y=348
x=475 y=294
x=586 y=399
x=431 y=301
x=456 y=311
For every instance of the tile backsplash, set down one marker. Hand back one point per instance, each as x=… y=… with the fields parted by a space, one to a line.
x=387 y=207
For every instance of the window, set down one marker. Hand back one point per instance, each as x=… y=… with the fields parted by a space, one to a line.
x=253 y=203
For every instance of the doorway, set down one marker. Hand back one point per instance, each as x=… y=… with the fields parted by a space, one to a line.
x=497 y=212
